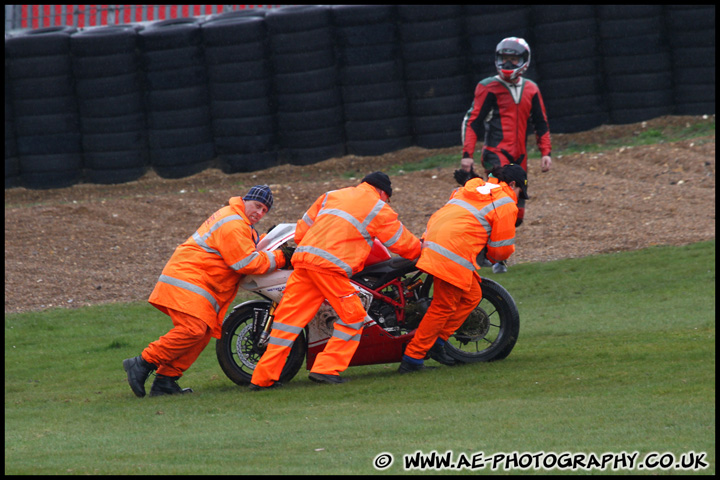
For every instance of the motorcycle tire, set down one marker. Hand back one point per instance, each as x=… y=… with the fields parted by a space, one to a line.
x=237 y=353
x=490 y=331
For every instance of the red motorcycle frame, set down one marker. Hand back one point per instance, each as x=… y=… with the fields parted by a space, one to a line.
x=395 y=295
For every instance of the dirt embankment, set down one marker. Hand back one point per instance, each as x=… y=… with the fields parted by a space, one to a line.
x=92 y=244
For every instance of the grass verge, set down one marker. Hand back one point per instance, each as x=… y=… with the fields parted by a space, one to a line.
x=616 y=353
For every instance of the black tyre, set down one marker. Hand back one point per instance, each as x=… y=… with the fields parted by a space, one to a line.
x=237 y=349
x=580 y=122
x=418 y=31
x=308 y=156
x=437 y=139
x=490 y=331
x=378 y=146
x=376 y=110
x=246 y=162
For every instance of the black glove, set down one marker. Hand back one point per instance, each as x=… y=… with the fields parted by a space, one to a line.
x=288 y=252
x=270 y=229
x=461 y=176
x=481 y=258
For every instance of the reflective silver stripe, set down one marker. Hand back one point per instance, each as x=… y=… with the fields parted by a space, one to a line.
x=502 y=201
x=478 y=214
x=453 y=257
x=202 y=240
x=465 y=122
x=346 y=337
x=395 y=237
x=273 y=264
x=322 y=205
x=191 y=287
x=502 y=243
x=480 y=217
x=353 y=326
x=201 y=243
x=283 y=327
x=352 y=220
x=220 y=223
x=306 y=218
x=373 y=213
x=281 y=342
x=327 y=256
x=245 y=261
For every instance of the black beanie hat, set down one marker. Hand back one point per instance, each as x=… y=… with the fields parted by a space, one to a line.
x=379 y=180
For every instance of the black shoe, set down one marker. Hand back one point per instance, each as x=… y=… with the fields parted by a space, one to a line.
x=167 y=386
x=323 y=378
x=407 y=367
x=138 y=370
x=257 y=388
x=438 y=353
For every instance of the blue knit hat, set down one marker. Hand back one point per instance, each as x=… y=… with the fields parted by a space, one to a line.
x=262 y=194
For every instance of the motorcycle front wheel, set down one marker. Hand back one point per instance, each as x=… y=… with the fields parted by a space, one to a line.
x=238 y=353
x=490 y=331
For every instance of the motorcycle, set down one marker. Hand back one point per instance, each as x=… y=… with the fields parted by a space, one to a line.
x=395 y=295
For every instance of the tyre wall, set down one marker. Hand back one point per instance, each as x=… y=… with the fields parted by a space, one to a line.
x=109 y=92
x=308 y=107
x=244 y=91
x=44 y=108
x=240 y=85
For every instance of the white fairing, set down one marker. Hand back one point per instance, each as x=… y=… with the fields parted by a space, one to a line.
x=271 y=285
x=282 y=233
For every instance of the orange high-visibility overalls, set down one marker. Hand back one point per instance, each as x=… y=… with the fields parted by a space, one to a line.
x=334 y=239
x=479 y=214
x=199 y=283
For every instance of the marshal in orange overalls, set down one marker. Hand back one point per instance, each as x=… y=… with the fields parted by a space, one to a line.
x=334 y=239
x=199 y=283
x=479 y=214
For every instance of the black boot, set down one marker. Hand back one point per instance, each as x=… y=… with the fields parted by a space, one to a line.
x=257 y=388
x=409 y=367
x=138 y=371
x=438 y=353
x=167 y=386
x=325 y=378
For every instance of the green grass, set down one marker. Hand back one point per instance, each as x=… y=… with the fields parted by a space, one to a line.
x=651 y=136
x=616 y=353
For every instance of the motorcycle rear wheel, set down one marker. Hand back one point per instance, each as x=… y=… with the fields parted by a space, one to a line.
x=490 y=331
x=238 y=354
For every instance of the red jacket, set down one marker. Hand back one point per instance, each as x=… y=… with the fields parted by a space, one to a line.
x=504 y=109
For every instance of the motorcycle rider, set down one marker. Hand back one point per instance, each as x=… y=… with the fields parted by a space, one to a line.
x=197 y=286
x=334 y=239
x=479 y=218
x=502 y=106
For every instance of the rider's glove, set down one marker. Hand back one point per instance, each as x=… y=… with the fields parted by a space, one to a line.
x=288 y=252
x=461 y=176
